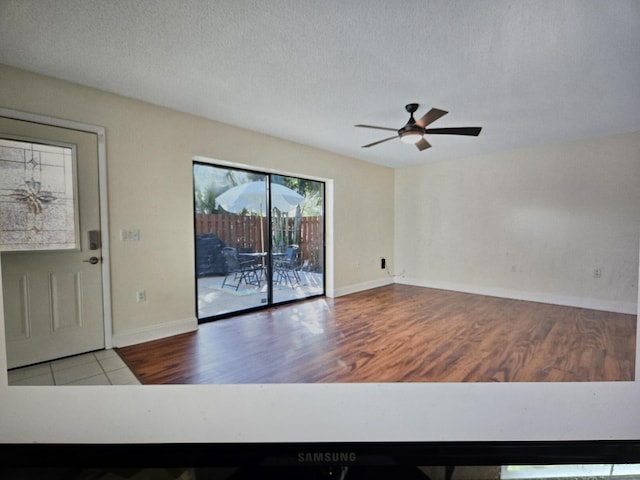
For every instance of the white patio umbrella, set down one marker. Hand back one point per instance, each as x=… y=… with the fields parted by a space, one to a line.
x=252 y=197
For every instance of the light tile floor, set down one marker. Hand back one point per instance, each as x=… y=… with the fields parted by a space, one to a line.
x=103 y=367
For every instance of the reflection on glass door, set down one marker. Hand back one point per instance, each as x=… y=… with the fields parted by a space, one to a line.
x=258 y=239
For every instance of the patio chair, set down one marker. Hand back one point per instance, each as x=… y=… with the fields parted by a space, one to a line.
x=286 y=268
x=249 y=271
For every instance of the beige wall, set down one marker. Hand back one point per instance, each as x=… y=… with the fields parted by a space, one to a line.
x=149 y=158
x=533 y=223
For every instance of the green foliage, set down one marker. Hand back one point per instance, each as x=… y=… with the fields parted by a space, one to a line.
x=205 y=200
x=311 y=190
x=286 y=230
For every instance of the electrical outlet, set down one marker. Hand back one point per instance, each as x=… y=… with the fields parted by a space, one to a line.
x=597 y=273
x=383 y=263
x=141 y=296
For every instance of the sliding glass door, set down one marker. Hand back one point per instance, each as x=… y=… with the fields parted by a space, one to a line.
x=297 y=239
x=259 y=239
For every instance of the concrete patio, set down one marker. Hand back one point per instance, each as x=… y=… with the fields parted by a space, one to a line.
x=215 y=300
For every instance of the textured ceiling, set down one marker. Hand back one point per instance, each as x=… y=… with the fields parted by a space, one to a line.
x=528 y=72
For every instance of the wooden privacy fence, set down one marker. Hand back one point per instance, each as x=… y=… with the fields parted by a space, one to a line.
x=234 y=230
x=251 y=233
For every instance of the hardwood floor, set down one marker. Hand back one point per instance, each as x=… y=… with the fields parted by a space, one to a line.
x=397 y=333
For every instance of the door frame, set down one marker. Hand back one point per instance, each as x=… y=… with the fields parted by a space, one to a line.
x=102 y=195
x=269 y=300
x=329 y=289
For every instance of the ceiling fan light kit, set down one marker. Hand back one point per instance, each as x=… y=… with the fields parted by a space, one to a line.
x=414 y=131
x=411 y=136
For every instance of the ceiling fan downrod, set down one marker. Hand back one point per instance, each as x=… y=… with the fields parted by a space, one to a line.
x=411 y=108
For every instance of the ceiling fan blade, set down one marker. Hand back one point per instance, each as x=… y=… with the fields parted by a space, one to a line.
x=378 y=128
x=379 y=141
x=473 y=131
x=422 y=144
x=430 y=117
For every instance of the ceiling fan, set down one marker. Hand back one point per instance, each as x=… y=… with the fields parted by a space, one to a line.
x=414 y=131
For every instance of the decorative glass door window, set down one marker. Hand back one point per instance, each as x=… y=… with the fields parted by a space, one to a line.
x=38 y=205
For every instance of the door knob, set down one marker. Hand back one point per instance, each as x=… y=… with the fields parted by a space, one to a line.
x=92 y=260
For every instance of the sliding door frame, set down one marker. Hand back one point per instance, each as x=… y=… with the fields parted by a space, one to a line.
x=327 y=228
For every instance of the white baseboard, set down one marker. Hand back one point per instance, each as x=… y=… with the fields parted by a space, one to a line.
x=360 y=287
x=154 y=332
x=185 y=325
x=541 y=297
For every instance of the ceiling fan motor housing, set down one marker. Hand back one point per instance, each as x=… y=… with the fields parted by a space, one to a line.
x=411 y=129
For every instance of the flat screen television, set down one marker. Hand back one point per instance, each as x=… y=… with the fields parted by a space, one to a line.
x=320 y=425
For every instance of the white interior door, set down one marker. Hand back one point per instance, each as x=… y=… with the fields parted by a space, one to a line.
x=50 y=242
